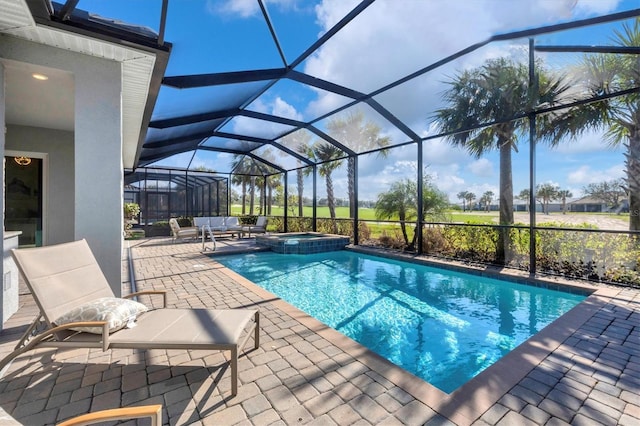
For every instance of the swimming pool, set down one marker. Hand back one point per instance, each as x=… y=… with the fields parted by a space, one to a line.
x=443 y=326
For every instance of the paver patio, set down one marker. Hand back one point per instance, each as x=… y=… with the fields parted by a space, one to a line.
x=584 y=369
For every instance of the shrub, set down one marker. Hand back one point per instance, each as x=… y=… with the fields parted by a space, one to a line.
x=130 y=213
x=434 y=242
x=393 y=241
x=364 y=233
x=131 y=210
x=248 y=219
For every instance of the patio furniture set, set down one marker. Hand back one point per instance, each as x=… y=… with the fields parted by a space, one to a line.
x=214 y=226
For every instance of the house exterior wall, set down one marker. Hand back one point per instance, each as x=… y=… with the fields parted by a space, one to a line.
x=97 y=149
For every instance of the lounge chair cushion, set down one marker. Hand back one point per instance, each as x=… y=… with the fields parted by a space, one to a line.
x=119 y=313
x=204 y=328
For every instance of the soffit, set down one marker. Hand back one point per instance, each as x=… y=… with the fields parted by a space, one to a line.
x=137 y=68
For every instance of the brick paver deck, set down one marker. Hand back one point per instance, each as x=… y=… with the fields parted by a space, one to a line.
x=584 y=369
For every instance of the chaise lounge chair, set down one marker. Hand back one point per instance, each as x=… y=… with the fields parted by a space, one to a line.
x=78 y=310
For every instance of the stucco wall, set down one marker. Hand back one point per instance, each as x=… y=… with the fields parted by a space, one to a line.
x=97 y=149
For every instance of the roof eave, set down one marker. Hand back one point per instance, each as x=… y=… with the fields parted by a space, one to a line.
x=41 y=11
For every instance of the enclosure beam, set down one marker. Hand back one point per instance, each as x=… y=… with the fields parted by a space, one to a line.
x=286 y=201
x=356 y=236
x=315 y=198
x=420 y=206
x=532 y=164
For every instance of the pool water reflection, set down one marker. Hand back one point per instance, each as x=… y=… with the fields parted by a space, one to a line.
x=443 y=326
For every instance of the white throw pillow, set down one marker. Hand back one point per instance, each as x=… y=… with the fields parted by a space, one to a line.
x=119 y=313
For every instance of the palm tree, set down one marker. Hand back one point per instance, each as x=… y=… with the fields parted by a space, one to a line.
x=300 y=141
x=462 y=195
x=359 y=136
x=545 y=193
x=300 y=173
x=495 y=92
x=328 y=155
x=264 y=183
x=524 y=195
x=401 y=201
x=398 y=200
x=239 y=165
x=563 y=194
x=271 y=183
x=604 y=74
x=470 y=199
x=486 y=199
x=246 y=171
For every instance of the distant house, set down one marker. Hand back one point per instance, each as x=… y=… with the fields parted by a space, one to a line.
x=523 y=206
x=596 y=205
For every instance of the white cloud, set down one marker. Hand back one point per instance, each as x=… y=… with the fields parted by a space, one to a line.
x=283 y=109
x=550 y=182
x=402 y=168
x=242 y=8
x=278 y=107
x=251 y=127
x=325 y=102
x=586 y=174
x=589 y=142
x=329 y=12
x=481 y=168
x=245 y=8
x=480 y=189
x=376 y=48
x=589 y=7
x=447 y=179
x=438 y=151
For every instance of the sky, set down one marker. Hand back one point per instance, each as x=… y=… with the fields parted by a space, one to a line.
x=389 y=40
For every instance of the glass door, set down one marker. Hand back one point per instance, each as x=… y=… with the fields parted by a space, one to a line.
x=23 y=199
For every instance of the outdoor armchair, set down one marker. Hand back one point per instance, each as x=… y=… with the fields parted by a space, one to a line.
x=78 y=310
x=179 y=232
x=259 y=228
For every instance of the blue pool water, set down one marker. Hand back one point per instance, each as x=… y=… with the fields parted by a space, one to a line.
x=443 y=326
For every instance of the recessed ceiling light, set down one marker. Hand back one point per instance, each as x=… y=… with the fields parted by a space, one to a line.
x=39 y=76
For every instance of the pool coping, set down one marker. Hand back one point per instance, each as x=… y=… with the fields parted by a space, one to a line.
x=467 y=403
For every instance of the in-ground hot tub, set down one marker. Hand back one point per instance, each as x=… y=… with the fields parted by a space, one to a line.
x=302 y=242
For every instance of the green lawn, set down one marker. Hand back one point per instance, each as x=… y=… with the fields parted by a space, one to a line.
x=369 y=214
x=456 y=216
x=341 y=212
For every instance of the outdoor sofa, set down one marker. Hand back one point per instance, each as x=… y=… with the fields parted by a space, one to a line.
x=219 y=225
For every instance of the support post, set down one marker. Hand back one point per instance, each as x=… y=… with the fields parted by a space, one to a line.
x=532 y=164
